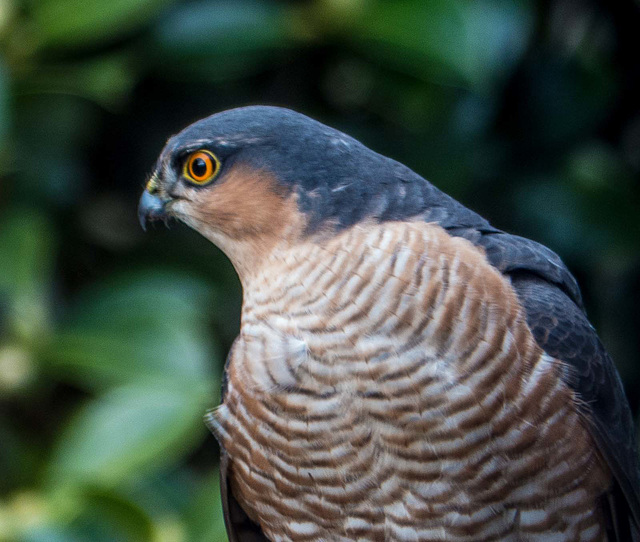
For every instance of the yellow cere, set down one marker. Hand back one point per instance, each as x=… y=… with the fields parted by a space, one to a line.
x=152 y=185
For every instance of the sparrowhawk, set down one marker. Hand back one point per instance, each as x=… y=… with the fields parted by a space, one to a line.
x=404 y=370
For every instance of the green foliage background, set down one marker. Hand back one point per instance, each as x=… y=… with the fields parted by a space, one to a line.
x=112 y=342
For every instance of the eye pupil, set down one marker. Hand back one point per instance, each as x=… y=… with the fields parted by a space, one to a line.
x=199 y=167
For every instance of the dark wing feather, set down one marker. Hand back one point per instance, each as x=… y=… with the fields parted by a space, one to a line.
x=239 y=527
x=553 y=305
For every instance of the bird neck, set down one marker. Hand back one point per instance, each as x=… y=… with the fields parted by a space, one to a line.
x=254 y=257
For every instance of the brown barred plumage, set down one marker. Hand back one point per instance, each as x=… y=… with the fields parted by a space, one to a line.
x=405 y=371
x=385 y=386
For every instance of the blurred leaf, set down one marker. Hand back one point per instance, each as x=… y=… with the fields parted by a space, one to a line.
x=497 y=34
x=8 y=10
x=25 y=245
x=24 y=512
x=449 y=41
x=106 y=516
x=86 y=515
x=139 y=326
x=17 y=368
x=18 y=457
x=61 y=122
x=130 y=431
x=595 y=166
x=26 y=253
x=603 y=191
x=48 y=534
x=53 y=132
x=65 y=23
x=5 y=107
x=49 y=175
x=165 y=496
x=562 y=101
x=550 y=215
x=108 y=221
x=218 y=39
x=105 y=80
x=205 y=519
x=421 y=38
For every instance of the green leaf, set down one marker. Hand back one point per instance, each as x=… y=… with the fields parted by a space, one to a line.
x=105 y=80
x=129 y=431
x=48 y=534
x=55 y=130
x=549 y=213
x=25 y=251
x=19 y=456
x=216 y=40
x=139 y=326
x=205 y=520
x=497 y=33
x=107 y=516
x=5 y=110
x=84 y=515
x=470 y=44
x=421 y=38
x=26 y=254
x=73 y=23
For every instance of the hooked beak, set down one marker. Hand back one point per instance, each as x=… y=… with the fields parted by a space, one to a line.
x=151 y=208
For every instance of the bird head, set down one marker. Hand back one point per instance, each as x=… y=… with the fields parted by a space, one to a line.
x=250 y=179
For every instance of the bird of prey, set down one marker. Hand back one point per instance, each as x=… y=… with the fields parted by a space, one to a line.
x=404 y=371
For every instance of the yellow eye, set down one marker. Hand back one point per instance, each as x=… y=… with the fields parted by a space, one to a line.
x=201 y=167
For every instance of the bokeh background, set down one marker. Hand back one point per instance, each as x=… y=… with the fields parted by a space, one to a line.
x=112 y=341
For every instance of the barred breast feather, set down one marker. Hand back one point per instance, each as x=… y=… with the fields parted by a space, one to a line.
x=385 y=386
